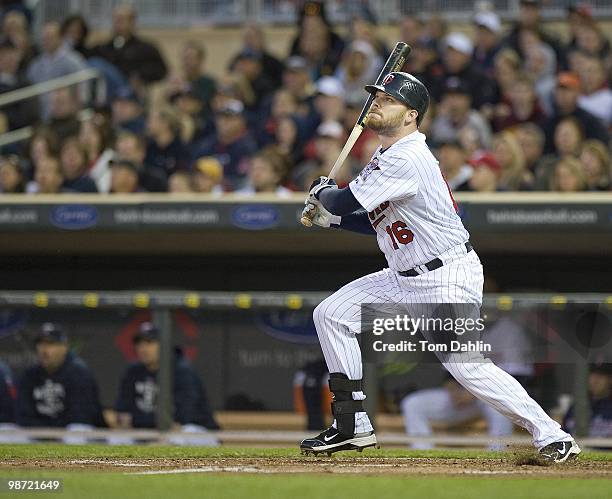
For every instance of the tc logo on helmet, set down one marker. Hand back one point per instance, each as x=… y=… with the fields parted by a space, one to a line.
x=388 y=79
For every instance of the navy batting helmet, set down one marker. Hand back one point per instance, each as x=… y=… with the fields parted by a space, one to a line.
x=405 y=88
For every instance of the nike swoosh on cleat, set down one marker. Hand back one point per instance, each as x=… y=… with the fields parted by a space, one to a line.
x=328 y=439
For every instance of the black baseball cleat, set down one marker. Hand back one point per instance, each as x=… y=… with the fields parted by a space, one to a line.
x=331 y=440
x=559 y=452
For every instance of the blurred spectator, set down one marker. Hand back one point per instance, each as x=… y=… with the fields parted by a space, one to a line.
x=42 y=143
x=531 y=140
x=327 y=146
x=530 y=18
x=48 y=177
x=596 y=165
x=591 y=40
x=596 y=96
x=488 y=40
x=12 y=179
x=454 y=166
x=63 y=117
x=508 y=153
x=519 y=106
x=207 y=176
x=311 y=392
x=137 y=397
x=359 y=67
x=133 y=148
x=568 y=176
x=578 y=14
x=8 y=394
x=297 y=81
x=329 y=101
x=568 y=137
x=60 y=390
x=73 y=158
x=362 y=27
x=566 y=104
x=180 y=183
x=253 y=41
x=190 y=113
x=21 y=113
x=267 y=171
x=194 y=75
x=316 y=41
x=55 y=60
x=128 y=112
x=425 y=62
x=458 y=65
x=455 y=112
x=600 y=394
x=138 y=60
x=164 y=147
x=247 y=68
x=124 y=177
x=74 y=31
x=96 y=135
x=16 y=28
x=506 y=70
x=283 y=104
x=436 y=28
x=232 y=145
x=288 y=139
x=410 y=29
x=486 y=172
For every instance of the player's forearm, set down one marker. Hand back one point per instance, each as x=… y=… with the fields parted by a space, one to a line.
x=339 y=202
x=357 y=222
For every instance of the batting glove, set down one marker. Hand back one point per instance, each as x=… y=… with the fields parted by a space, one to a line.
x=319 y=215
x=319 y=185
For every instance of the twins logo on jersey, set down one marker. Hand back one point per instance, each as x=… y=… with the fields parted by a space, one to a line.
x=49 y=398
x=369 y=168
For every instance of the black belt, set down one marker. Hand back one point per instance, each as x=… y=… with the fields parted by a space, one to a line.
x=434 y=264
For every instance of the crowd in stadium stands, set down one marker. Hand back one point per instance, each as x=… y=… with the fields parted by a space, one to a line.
x=512 y=109
x=60 y=391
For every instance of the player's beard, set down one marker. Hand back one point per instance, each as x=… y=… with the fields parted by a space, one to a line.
x=387 y=126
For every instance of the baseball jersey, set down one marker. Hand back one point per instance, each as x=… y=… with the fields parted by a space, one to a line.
x=409 y=203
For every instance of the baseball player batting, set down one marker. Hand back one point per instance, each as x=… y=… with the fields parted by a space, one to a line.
x=402 y=198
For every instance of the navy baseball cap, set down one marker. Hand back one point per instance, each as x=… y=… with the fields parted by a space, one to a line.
x=51 y=333
x=147 y=332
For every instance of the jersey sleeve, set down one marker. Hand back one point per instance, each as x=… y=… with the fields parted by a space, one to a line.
x=391 y=179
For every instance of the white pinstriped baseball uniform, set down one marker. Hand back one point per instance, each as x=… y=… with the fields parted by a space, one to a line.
x=414 y=215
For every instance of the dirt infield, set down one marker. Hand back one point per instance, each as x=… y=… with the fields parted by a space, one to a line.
x=512 y=466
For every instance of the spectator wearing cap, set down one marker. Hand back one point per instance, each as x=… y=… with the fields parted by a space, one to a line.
x=138 y=60
x=297 y=80
x=22 y=113
x=59 y=390
x=165 y=149
x=457 y=113
x=55 y=60
x=73 y=160
x=133 y=148
x=595 y=159
x=566 y=104
x=519 y=106
x=316 y=41
x=600 y=398
x=208 y=176
x=359 y=67
x=330 y=99
x=189 y=108
x=124 y=177
x=530 y=18
x=458 y=64
x=232 y=144
x=267 y=172
x=425 y=62
x=596 y=96
x=485 y=173
x=488 y=40
x=253 y=41
x=136 y=403
x=12 y=179
x=247 y=68
x=453 y=164
x=327 y=145
x=127 y=111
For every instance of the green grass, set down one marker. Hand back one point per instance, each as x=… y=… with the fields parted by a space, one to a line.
x=187 y=486
x=60 y=451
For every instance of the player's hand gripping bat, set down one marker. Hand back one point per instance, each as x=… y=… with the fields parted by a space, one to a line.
x=395 y=62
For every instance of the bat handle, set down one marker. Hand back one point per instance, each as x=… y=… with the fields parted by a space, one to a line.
x=306 y=221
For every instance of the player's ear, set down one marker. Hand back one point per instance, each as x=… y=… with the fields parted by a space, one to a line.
x=412 y=114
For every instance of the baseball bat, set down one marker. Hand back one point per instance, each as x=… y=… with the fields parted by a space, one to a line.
x=395 y=62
